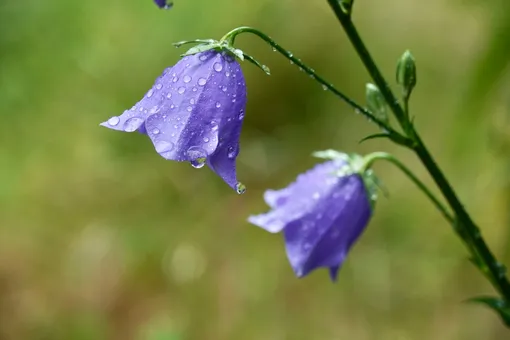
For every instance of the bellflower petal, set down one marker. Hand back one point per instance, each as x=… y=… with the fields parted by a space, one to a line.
x=194 y=112
x=321 y=216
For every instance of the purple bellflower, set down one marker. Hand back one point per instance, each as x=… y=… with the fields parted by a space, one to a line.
x=194 y=113
x=321 y=214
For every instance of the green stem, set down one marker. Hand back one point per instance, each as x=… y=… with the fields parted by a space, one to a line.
x=467 y=229
x=392 y=133
x=370 y=160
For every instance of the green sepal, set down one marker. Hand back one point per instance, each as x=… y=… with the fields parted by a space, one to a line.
x=256 y=63
x=498 y=305
x=374 y=136
x=200 y=48
x=330 y=154
x=196 y=41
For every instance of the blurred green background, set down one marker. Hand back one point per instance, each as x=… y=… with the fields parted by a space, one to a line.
x=100 y=238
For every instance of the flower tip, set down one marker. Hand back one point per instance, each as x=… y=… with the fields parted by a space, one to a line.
x=164 y=4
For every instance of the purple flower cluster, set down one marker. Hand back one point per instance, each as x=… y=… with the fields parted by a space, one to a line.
x=194 y=113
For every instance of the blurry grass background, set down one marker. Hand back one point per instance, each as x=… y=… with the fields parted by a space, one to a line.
x=100 y=238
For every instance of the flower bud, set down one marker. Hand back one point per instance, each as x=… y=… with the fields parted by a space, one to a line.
x=406 y=72
x=376 y=102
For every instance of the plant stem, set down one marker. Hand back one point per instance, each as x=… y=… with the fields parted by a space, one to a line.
x=467 y=229
x=392 y=133
x=371 y=158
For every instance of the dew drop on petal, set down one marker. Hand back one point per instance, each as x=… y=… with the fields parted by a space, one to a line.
x=203 y=57
x=197 y=156
x=189 y=108
x=192 y=101
x=163 y=146
x=149 y=94
x=155 y=131
x=218 y=104
x=113 y=121
x=132 y=124
x=181 y=90
x=174 y=80
x=194 y=89
x=218 y=67
x=159 y=86
x=186 y=79
x=241 y=114
x=232 y=152
x=206 y=139
x=169 y=95
x=224 y=89
x=227 y=74
x=172 y=106
x=240 y=188
x=202 y=81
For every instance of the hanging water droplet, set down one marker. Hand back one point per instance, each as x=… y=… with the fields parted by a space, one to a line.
x=214 y=128
x=163 y=146
x=206 y=139
x=155 y=131
x=233 y=100
x=324 y=87
x=232 y=152
x=289 y=54
x=181 y=90
x=218 y=104
x=149 y=94
x=175 y=78
x=197 y=156
x=186 y=79
x=113 y=121
x=218 y=67
x=291 y=62
x=189 y=108
x=203 y=57
x=159 y=86
x=240 y=188
x=224 y=89
x=202 y=81
x=172 y=106
x=241 y=114
x=227 y=74
x=192 y=101
x=169 y=95
x=132 y=124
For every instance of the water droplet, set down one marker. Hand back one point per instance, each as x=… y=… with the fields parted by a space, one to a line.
x=155 y=131
x=172 y=106
x=154 y=109
x=214 y=128
x=203 y=57
x=218 y=67
x=241 y=114
x=218 y=104
x=224 y=89
x=194 y=89
x=274 y=49
x=227 y=74
x=159 y=86
x=189 y=108
x=206 y=139
x=163 y=146
x=175 y=79
x=113 y=121
x=169 y=95
x=240 y=188
x=192 y=101
x=149 y=94
x=290 y=55
x=324 y=87
x=316 y=196
x=186 y=79
x=181 y=90
x=176 y=126
x=232 y=152
x=202 y=81
x=132 y=124
x=197 y=156
x=291 y=62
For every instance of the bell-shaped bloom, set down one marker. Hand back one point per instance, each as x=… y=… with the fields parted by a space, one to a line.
x=321 y=215
x=194 y=113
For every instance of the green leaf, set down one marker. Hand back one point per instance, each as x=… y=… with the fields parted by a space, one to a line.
x=497 y=304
